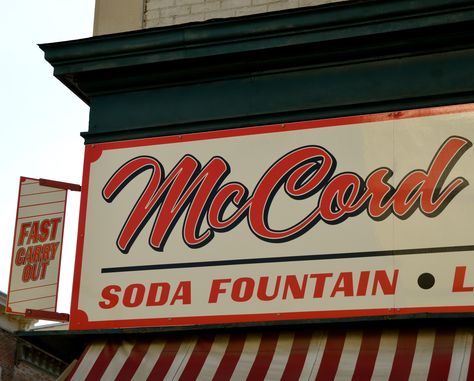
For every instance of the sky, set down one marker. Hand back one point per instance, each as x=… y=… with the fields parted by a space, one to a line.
x=41 y=118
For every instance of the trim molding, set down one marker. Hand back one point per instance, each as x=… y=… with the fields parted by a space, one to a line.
x=345 y=58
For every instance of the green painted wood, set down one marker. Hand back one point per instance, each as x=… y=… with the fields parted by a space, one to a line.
x=346 y=58
x=68 y=345
x=309 y=93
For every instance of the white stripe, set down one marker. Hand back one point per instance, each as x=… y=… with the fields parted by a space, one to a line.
x=350 y=353
x=36 y=188
x=41 y=210
x=122 y=354
x=461 y=355
x=214 y=357
x=423 y=353
x=318 y=343
x=383 y=364
x=384 y=361
x=42 y=198
x=181 y=359
x=30 y=181
x=280 y=357
x=249 y=352
x=88 y=361
x=149 y=361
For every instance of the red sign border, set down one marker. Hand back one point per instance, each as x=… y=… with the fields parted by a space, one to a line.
x=79 y=319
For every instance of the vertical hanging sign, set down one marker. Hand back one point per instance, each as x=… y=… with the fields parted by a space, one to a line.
x=37 y=245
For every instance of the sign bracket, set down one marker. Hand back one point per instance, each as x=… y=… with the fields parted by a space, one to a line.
x=46 y=315
x=60 y=184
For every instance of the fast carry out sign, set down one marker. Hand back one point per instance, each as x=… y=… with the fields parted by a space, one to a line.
x=349 y=217
x=37 y=246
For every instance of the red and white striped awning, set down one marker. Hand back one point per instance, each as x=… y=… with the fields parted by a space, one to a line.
x=371 y=354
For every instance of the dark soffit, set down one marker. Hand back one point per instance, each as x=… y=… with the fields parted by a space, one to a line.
x=348 y=31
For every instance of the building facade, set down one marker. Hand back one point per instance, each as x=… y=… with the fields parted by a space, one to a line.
x=111 y=17
x=19 y=360
x=286 y=87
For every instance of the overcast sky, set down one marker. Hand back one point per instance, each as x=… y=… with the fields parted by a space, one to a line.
x=41 y=118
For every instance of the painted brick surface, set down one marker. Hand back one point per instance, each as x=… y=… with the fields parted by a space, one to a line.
x=172 y=12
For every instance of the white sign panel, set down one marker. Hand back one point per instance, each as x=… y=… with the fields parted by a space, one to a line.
x=355 y=216
x=37 y=246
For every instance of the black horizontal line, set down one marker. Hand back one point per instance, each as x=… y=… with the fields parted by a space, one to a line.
x=296 y=258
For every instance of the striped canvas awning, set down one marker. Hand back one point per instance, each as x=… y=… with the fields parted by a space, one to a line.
x=369 y=354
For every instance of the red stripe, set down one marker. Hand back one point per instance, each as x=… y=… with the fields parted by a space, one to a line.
x=442 y=354
x=29 y=288
x=43 y=203
x=29 y=300
x=332 y=356
x=165 y=360
x=197 y=359
x=264 y=357
x=231 y=358
x=40 y=215
x=102 y=362
x=369 y=349
x=133 y=361
x=299 y=351
x=404 y=353
x=30 y=183
x=78 y=362
x=32 y=194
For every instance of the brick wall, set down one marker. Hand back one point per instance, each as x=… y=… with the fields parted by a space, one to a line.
x=14 y=366
x=172 y=12
x=27 y=372
x=7 y=355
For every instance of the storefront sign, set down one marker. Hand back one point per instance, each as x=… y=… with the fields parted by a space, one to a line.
x=37 y=247
x=347 y=217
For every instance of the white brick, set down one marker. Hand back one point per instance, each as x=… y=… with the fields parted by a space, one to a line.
x=156 y=4
x=208 y=6
x=285 y=4
x=186 y=2
x=170 y=12
x=251 y=10
x=175 y=11
x=154 y=14
x=308 y=3
x=261 y=2
x=234 y=4
x=188 y=18
x=163 y=21
x=220 y=14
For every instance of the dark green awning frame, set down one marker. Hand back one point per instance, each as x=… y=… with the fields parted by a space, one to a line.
x=345 y=58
